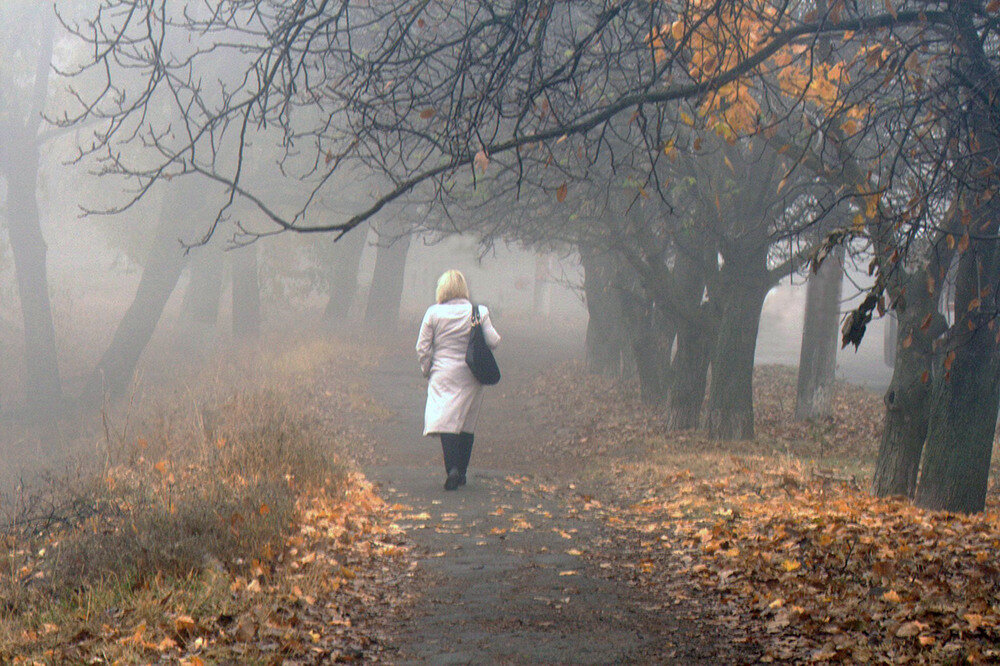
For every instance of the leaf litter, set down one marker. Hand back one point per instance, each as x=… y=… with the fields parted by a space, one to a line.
x=777 y=540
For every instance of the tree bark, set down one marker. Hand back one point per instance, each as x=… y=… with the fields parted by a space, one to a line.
x=818 y=354
x=689 y=375
x=651 y=342
x=907 y=400
x=605 y=338
x=964 y=404
x=382 y=313
x=955 y=471
x=20 y=164
x=344 y=258
x=689 y=369
x=889 y=340
x=42 y=381
x=160 y=274
x=246 y=294
x=730 y=399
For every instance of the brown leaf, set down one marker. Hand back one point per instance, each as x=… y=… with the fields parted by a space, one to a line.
x=482 y=160
x=427 y=113
x=561 y=193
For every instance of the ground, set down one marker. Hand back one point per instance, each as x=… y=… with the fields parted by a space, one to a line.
x=588 y=532
x=506 y=567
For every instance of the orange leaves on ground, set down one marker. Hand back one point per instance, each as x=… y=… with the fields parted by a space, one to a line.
x=801 y=559
x=295 y=606
x=829 y=572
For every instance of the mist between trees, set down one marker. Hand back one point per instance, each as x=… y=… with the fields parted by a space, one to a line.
x=690 y=155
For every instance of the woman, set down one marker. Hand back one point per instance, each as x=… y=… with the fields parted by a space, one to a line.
x=453 y=394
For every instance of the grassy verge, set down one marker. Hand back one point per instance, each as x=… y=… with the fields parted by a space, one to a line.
x=223 y=523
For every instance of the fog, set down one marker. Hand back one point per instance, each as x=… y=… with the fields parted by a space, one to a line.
x=732 y=395
x=136 y=253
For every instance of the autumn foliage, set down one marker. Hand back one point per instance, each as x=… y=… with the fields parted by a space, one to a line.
x=821 y=569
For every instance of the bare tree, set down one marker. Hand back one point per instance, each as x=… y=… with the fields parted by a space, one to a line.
x=27 y=45
x=436 y=96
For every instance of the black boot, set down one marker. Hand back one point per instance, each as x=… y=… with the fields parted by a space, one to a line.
x=464 y=454
x=451 y=447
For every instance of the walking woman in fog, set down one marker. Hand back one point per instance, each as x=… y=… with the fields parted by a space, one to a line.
x=453 y=394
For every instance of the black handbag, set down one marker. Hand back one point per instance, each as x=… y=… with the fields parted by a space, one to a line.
x=478 y=355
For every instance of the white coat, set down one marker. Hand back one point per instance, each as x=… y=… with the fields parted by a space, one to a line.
x=453 y=394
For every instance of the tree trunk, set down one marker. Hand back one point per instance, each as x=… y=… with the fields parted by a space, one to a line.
x=818 y=354
x=963 y=413
x=730 y=399
x=605 y=338
x=890 y=339
x=651 y=342
x=344 y=258
x=204 y=290
x=160 y=273
x=963 y=417
x=689 y=370
x=20 y=162
x=956 y=463
x=43 y=386
x=955 y=470
x=246 y=294
x=382 y=313
x=689 y=375
x=907 y=400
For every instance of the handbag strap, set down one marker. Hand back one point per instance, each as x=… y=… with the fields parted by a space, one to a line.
x=476 y=317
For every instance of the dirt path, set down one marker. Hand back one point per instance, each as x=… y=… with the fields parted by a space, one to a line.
x=503 y=573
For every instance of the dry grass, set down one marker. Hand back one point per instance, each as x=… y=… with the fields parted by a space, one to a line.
x=197 y=481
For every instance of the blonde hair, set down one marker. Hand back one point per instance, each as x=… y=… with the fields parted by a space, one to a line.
x=451 y=285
